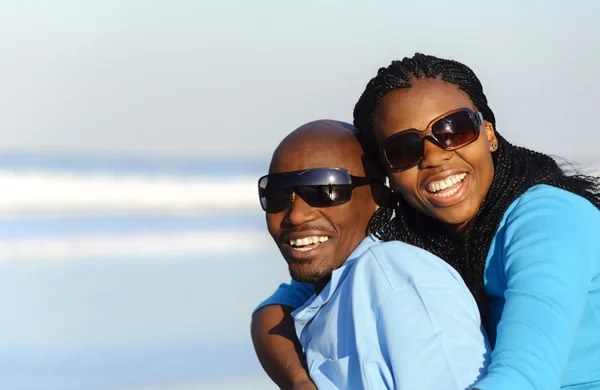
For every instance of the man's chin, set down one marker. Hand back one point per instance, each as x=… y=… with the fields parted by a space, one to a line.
x=308 y=273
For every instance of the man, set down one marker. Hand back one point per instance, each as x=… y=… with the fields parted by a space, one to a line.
x=378 y=315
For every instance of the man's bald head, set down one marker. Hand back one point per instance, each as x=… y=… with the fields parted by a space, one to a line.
x=314 y=143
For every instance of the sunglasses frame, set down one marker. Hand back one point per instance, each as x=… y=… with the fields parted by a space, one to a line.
x=354 y=181
x=427 y=134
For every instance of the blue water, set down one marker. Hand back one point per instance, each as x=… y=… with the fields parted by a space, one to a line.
x=14 y=228
x=138 y=321
x=219 y=168
x=116 y=323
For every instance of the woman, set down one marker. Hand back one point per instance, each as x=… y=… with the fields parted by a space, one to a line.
x=523 y=234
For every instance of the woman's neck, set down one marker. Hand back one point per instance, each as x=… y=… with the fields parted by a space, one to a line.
x=457 y=231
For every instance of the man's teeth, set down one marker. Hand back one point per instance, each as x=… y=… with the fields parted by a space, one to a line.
x=443 y=184
x=300 y=242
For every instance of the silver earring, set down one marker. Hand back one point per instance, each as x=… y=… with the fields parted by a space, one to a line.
x=494 y=145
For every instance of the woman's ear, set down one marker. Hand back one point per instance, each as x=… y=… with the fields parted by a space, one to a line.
x=491 y=136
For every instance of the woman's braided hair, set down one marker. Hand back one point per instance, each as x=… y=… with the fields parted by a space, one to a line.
x=516 y=170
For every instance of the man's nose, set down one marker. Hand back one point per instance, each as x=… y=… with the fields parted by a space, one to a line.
x=299 y=211
x=433 y=155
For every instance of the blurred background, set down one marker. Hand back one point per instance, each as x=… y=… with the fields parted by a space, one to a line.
x=132 y=246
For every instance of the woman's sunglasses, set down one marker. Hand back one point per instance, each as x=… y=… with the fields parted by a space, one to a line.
x=450 y=131
x=319 y=187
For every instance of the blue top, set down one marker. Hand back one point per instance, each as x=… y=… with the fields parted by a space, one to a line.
x=543 y=279
x=393 y=316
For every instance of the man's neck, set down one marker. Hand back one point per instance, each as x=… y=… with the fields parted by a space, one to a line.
x=320 y=285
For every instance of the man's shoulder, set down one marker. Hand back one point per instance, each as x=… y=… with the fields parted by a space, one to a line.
x=402 y=264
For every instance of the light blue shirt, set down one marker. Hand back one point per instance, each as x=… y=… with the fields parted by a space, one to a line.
x=392 y=317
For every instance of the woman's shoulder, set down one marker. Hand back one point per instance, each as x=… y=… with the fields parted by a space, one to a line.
x=551 y=201
x=547 y=192
x=546 y=225
x=551 y=215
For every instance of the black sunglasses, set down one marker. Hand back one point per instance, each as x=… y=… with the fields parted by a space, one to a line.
x=319 y=187
x=449 y=131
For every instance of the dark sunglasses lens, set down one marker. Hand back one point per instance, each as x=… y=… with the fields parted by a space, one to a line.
x=325 y=195
x=275 y=200
x=403 y=150
x=319 y=187
x=455 y=130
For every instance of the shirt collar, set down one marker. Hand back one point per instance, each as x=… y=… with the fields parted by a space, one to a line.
x=306 y=312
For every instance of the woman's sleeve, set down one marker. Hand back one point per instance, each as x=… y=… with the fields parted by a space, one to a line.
x=550 y=247
x=294 y=295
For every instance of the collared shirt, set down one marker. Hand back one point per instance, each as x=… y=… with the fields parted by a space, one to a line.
x=393 y=317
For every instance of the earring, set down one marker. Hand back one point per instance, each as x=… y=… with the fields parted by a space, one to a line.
x=494 y=145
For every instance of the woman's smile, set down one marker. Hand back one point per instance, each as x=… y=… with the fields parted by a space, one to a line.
x=447 y=192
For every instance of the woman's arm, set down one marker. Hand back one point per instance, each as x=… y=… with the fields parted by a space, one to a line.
x=278 y=348
x=550 y=246
x=274 y=337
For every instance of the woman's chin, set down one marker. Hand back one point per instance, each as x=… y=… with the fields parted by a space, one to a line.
x=455 y=218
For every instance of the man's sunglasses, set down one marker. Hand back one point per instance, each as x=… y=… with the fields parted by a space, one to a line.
x=319 y=187
x=450 y=131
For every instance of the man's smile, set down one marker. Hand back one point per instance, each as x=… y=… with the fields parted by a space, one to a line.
x=307 y=243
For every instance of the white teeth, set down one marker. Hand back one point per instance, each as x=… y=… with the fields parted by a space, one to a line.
x=299 y=243
x=301 y=249
x=448 y=193
x=448 y=182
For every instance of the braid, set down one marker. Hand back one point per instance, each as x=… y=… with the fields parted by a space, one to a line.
x=515 y=170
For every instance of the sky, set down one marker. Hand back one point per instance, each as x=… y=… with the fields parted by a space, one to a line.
x=229 y=79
